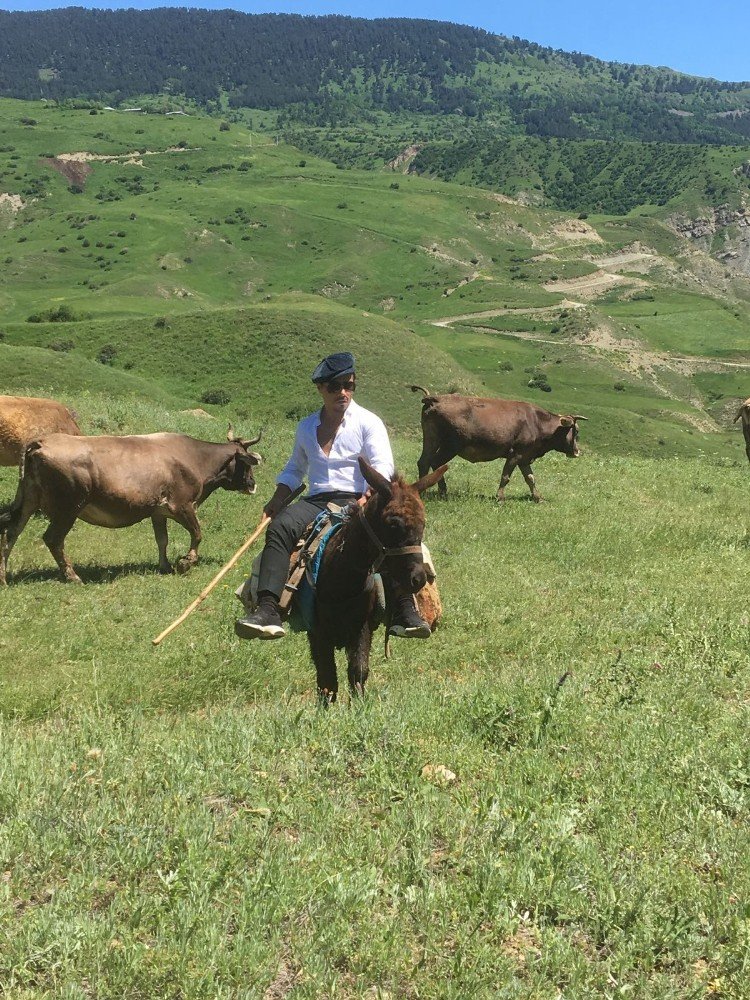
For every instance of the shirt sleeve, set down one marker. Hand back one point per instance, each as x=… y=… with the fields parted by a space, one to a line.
x=296 y=468
x=376 y=447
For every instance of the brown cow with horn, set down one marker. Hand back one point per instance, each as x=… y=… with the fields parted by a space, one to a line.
x=481 y=430
x=744 y=412
x=115 y=482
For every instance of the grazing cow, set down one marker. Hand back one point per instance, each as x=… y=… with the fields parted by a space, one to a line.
x=118 y=481
x=481 y=430
x=25 y=418
x=744 y=412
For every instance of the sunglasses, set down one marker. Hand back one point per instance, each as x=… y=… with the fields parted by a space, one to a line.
x=334 y=387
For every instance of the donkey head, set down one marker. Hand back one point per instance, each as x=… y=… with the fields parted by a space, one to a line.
x=395 y=513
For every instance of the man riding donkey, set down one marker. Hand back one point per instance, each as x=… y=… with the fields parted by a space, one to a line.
x=327 y=446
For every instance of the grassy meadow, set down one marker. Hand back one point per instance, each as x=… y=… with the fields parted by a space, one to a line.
x=549 y=798
x=185 y=821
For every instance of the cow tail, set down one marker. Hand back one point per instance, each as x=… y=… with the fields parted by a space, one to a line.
x=428 y=401
x=419 y=388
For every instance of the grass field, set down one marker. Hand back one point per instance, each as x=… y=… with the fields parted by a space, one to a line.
x=185 y=821
x=550 y=797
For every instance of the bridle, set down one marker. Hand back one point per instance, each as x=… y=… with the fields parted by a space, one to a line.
x=382 y=551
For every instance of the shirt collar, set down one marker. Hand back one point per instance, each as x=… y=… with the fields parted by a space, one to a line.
x=348 y=415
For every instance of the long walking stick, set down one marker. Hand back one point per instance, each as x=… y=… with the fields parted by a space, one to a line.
x=264 y=522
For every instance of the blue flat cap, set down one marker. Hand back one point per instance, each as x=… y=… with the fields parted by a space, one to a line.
x=333 y=366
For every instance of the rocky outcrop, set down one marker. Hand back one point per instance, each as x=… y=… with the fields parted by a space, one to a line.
x=723 y=232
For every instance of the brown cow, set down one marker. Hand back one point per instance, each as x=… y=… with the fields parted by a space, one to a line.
x=481 y=430
x=118 y=481
x=25 y=418
x=744 y=412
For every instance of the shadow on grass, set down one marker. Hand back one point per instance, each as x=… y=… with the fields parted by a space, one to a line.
x=96 y=574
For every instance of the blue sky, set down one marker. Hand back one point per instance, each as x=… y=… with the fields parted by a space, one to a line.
x=704 y=37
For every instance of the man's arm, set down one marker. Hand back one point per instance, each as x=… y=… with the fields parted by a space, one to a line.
x=290 y=477
x=277 y=501
x=376 y=447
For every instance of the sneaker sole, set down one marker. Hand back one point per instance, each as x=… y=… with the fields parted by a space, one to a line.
x=418 y=632
x=245 y=631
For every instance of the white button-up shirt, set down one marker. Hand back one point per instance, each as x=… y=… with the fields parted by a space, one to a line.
x=360 y=433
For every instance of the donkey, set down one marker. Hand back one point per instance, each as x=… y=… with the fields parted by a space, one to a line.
x=387 y=530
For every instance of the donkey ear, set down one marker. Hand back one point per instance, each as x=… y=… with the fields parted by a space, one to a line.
x=378 y=482
x=429 y=480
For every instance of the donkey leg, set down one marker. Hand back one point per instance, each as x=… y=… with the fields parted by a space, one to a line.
x=358 y=655
x=324 y=658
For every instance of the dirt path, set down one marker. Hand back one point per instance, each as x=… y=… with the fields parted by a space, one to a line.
x=531 y=312
x=591 y=285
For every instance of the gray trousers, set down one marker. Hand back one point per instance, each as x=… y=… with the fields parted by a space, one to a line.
x=285 y=531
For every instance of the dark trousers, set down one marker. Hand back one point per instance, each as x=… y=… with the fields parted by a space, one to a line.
x=284 y=532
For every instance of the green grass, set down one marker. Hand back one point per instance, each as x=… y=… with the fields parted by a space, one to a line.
x=184 y=820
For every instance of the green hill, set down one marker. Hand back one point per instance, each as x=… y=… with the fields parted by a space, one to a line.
x=171 y=256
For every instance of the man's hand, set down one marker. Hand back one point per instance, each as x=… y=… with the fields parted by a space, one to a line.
x=277 y=501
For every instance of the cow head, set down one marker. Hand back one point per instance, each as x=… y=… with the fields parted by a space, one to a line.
x=566 y=435
x=240 y=465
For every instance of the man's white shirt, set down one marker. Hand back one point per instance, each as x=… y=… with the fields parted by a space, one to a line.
x=360 y=433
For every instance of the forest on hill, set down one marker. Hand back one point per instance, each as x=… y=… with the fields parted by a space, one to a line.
x=324 y=70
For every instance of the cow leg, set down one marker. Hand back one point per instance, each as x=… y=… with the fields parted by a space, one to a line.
x=159 y=524
x=187 y=517
x=528 y=475
x=54 y=538
x=324 y=658
x=508 y=469
x=442 y=457
x=15 y=526
x=358 y=655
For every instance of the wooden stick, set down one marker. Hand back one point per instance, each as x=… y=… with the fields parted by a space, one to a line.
x=264 y=522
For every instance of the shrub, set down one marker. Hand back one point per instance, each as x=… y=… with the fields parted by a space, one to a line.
x=539 y=381
x=505 y=366
x=107 y=354
x=619 y=387
x=224 y=127
x=62 y=346
x=395 y=186
x=161 y=323
x=219 y=397
x=63 y=314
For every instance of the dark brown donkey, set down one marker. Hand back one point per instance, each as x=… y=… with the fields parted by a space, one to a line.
x=386 y=532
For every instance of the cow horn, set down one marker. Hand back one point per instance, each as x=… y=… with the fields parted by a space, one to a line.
x=230 y=433
x=246 y=444
x=579 y=417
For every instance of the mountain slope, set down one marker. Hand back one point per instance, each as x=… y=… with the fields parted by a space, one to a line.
x=333 y=65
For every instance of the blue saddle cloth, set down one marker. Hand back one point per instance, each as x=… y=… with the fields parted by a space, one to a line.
x=302 y=611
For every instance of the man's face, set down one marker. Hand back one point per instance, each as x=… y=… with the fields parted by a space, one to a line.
x=337 y=393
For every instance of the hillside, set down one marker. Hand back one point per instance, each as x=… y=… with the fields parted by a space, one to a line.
x=326 y=67
x=178 y=252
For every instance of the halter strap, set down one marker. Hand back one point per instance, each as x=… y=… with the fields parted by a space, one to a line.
x=383 y=552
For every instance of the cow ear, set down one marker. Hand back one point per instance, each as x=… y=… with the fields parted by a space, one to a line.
x=430 y=479
x=378 y=482
x=566 y=421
